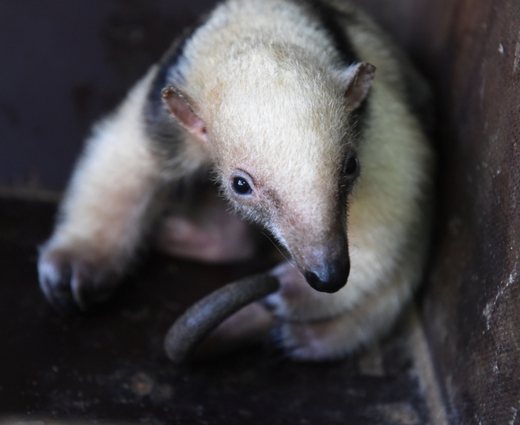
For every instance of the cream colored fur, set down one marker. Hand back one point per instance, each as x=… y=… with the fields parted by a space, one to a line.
x=105 y=210
x=270 y=88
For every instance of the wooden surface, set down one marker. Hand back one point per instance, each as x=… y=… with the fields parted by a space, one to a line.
x=471 y=51
x=109 y=364
x=474 y=287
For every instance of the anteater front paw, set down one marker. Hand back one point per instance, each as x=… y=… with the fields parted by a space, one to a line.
x=70 y=280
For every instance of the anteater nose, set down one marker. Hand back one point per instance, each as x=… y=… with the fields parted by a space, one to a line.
x=330 y=278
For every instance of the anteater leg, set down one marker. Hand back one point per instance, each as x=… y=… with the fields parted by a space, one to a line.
x=316 y=326
x=107 y=210
x=206 y=230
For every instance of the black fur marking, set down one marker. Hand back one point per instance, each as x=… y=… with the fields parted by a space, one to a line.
x=329 y=19
x=160 y=125
x=334 y=22
x=358 y=118
x=417 y=94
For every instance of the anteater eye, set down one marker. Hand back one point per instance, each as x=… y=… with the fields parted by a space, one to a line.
x=241 y=186
x=351 y=166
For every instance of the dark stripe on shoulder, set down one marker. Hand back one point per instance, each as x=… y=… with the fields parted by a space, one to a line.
x=330 y=20
x=169 y=60
x=327 y=17
x=160 y=126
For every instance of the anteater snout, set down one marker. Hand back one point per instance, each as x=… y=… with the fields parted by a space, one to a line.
x=330 y=277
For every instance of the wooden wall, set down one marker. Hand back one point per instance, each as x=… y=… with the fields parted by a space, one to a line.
x=470 y=49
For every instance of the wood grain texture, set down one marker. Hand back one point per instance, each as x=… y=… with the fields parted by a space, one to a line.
x=471 y=52
x=108 y=365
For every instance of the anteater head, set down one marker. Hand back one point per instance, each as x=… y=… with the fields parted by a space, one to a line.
x=280 y=137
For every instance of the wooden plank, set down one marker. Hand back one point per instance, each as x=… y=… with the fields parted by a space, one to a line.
x=471 y=50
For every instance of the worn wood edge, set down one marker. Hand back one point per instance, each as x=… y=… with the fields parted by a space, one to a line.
x=43 y=421
x=425 y=370
x=30 y=194
x=424 y=366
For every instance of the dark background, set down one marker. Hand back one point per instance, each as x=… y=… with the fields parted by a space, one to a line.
x=64 y=63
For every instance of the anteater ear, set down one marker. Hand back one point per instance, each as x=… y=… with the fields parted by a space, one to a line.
x=358 y=79
x=182 y=111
